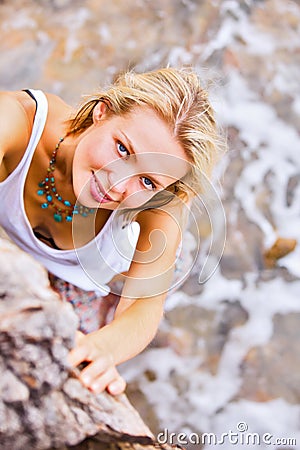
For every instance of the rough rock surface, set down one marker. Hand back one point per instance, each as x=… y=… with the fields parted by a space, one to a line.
x=42 y=402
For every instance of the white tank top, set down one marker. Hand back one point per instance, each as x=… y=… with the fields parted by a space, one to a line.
x=90 y=267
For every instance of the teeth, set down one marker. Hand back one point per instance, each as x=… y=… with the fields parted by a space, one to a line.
x=98 y=190
x=103 y=196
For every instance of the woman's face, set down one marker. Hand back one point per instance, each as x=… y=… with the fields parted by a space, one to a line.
x=123 y=161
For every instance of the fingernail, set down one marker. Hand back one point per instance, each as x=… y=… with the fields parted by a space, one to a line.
x=95 y=387
x=114 y=387
x=86 y=379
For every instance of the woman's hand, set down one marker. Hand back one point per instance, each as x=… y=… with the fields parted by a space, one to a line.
x=100 y=373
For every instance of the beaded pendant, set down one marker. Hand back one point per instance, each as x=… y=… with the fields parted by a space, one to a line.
x=47 y=188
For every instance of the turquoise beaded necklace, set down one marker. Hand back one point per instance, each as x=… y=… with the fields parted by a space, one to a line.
x=48 y=189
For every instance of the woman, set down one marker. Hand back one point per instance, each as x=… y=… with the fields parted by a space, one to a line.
x=103 y=191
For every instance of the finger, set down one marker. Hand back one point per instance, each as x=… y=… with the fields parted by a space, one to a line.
x=78 y=337
x=101 y=383
x=95 y=369
x=78 y=355
x=117 y=386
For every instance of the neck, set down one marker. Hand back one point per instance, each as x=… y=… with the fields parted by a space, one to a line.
x=64 y=161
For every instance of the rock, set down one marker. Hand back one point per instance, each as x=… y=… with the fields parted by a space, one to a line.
x=206 y=334
x=42 y=402
x=280 y=248
x=272 y=371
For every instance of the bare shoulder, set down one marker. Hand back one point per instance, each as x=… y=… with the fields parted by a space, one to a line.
x=14 y=122
x=59 y=112
x=14 y=131
x=17 y=113
x=151 y=271
x=56 y=103
x=163 y=225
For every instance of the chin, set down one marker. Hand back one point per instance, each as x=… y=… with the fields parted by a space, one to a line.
x=83 y=196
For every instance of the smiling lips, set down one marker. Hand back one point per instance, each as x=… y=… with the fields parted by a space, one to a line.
x=97 y=191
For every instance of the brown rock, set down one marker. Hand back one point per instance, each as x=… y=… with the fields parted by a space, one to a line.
x=280 y=248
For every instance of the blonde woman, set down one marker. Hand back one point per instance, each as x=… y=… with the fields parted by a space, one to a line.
x=101 y=191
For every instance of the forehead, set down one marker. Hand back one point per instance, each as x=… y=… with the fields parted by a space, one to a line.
x=154 y=144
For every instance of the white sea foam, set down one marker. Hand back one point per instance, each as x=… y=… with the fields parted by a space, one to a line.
x=271 y=158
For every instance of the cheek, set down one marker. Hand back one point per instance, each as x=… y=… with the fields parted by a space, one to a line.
x=81 y=172
x=81 y=155
x=90 y=151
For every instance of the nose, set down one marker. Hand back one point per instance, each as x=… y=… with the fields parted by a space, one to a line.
x=117 y=183
x=119 y=187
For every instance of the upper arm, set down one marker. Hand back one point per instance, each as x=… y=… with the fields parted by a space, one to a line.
x=151 y=271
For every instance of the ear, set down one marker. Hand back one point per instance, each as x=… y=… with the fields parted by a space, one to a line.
x=99 y=112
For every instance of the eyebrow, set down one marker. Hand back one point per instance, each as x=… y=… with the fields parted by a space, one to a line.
x=133 y=153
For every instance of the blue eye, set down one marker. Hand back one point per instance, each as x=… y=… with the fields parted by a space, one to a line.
x=122 y=150
x=148 y=183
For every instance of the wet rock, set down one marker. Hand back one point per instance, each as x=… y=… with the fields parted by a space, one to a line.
x=193 y=330
x=272 y=371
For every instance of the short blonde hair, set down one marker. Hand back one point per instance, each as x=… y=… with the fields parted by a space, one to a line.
x=177 y=96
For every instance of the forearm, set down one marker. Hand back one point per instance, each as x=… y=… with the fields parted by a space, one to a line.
x=131 y=331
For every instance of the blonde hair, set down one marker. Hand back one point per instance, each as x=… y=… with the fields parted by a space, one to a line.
x=177 y=96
